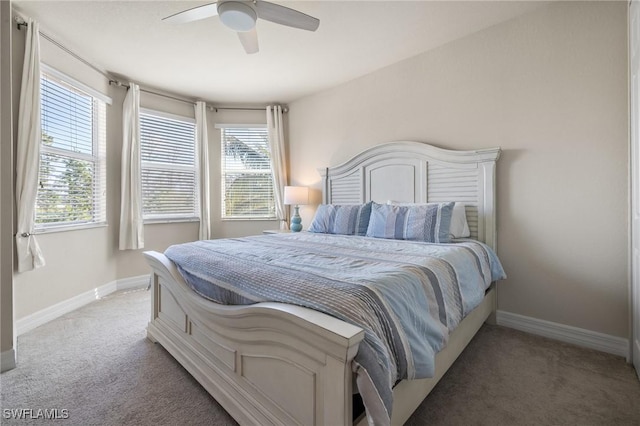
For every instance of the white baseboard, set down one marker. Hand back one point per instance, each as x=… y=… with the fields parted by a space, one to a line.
x=133 y=283
x=7 y=360
x=565 y=333
x=52 y=312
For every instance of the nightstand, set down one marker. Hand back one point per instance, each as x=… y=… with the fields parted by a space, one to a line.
x=276 y=231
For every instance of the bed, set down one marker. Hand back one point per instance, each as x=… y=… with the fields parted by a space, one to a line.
x=281 y=363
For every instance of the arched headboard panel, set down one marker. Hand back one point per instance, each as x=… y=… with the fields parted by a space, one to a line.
x=416 y=172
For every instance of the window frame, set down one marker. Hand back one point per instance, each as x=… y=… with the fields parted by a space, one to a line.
x=223 y=173
x=173 y=218
x=99 y=103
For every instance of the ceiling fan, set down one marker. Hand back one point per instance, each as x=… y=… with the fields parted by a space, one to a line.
x=241 y=15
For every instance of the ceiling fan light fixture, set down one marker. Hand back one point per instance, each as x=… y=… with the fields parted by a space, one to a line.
x=237 y=16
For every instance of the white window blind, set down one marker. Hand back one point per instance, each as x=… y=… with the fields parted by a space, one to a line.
x=247 y=181
x=168 y=155
x=72 y=175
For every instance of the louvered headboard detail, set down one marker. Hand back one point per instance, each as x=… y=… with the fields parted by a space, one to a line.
x=416 y=172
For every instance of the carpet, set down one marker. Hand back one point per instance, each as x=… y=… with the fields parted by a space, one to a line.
x=94 y=366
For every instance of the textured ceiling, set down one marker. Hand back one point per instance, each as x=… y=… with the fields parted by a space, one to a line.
x=205 y=60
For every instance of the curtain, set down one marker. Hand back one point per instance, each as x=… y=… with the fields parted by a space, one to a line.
x=278 y=164
x=202 y=154
x=28 y=153
x=131 y=224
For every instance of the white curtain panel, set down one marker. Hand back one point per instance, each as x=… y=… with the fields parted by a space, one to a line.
x=202 y=154
x=278 y=160
x=131 y=224
x=28 y=153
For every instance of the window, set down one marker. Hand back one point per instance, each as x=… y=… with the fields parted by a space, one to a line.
x=72 y=175
x=168 y=156
x=247 y=182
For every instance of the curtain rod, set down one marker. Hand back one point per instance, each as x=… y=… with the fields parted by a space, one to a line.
x=20 y=22
x=118 y=83
x=210 y=107
x=216 y=108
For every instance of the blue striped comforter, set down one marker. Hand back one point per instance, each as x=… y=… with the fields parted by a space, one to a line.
x=406 y=296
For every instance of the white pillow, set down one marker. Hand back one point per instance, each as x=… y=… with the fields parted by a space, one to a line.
x=459 y=227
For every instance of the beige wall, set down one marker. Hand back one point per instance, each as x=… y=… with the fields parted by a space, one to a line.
x=7 y=337
x=550 y=88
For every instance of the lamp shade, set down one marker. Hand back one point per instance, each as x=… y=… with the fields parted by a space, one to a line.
x=296 y=195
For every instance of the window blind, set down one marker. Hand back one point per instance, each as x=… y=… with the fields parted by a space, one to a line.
x=167 y=149
x=72 y=173
x=247 y=188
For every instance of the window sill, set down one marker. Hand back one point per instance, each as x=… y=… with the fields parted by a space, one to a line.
x=67 y=228
x=165 y=221
x=249 y=219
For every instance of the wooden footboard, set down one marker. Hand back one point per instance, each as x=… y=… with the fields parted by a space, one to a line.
x=267 y=363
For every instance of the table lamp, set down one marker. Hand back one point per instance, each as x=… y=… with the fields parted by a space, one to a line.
x=296 y=196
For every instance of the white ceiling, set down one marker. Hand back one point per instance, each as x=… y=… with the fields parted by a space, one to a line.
x=205 y=60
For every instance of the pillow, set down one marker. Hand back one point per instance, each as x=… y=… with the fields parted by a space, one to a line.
x=459 y=227
x=418 y=222
x=346 y=219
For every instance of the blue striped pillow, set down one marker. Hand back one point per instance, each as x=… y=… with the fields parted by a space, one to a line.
x=421 y=222
x=347 y=219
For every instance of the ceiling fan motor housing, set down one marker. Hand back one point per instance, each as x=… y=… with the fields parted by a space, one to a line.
x=239 y=16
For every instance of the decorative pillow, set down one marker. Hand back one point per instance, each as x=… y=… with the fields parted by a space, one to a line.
x=459 y=226
x=418 y=222
x=346 y=219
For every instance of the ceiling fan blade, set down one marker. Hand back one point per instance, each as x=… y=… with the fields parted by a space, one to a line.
x=193 y=14
x=249 y=40
x=286 y=16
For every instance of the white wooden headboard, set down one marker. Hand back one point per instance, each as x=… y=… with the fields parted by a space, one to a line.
x=416 y=172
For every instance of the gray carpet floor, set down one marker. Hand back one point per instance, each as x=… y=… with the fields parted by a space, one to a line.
x=97 y=364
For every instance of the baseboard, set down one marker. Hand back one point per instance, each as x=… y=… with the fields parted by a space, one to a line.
x=133 y=283
x=43 y=316
x=565 y=333
x=7 y=360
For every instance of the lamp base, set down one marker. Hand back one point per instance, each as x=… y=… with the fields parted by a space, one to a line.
x=296 y=220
